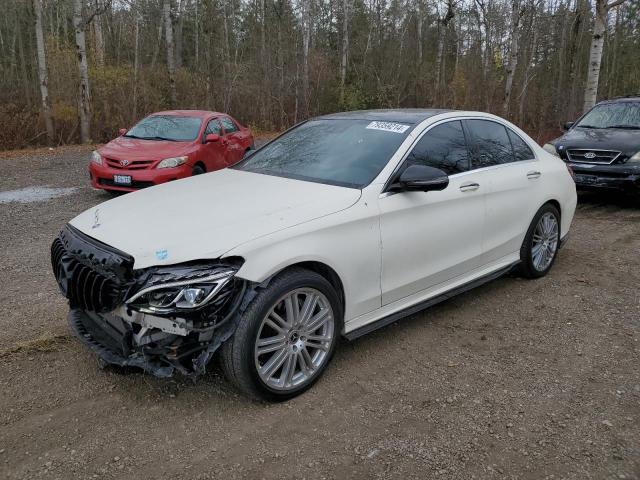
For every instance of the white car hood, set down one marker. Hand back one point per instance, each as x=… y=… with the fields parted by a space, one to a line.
x=205 y=216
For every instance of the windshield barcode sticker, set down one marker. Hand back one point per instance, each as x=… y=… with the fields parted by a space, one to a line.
x=388 y=127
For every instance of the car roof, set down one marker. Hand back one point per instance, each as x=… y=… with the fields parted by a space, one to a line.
x=189 y=113
x=403 y=115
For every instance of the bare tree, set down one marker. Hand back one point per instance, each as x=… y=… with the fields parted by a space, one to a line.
x=171 y=61
x=43 y=75
x=595 y=54
x=136 y=66
x=99 y=39
x=345 y=48
x=443 y=24
x=84 y=99
x=306 y=39
x=516 y=16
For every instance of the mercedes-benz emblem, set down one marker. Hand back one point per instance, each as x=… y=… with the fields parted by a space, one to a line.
x=589 y=155
x=124 y=163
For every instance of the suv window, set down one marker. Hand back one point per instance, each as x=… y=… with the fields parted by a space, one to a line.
x=521 y=150
x=443 y=147
x=213 y=127
x=491 y=145
x=229 y=126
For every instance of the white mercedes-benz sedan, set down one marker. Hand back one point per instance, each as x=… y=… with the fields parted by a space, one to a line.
x=343 y=224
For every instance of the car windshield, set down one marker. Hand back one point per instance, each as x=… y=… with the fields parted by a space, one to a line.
x=166 y=127
x=348 y=153
x=613 y=115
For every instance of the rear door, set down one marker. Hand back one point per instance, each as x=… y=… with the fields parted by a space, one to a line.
x=513 y=180
x=431 y=237
x=234 y=140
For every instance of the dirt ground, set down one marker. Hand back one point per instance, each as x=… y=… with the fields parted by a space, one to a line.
x=516 y=379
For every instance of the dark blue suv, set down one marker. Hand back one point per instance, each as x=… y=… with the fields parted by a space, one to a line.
x=603 y=146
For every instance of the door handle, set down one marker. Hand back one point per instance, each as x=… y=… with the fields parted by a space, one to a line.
x=469 y=187
x=533 y=175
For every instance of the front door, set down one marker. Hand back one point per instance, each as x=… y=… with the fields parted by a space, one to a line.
x=429 y=238
x=214 y=153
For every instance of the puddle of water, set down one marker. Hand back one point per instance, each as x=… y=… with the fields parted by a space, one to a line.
x=34 y=194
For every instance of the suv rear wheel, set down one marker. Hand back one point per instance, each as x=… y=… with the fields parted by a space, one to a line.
x=286 y=337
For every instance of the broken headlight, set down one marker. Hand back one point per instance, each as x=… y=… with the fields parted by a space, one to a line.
x=190 y=292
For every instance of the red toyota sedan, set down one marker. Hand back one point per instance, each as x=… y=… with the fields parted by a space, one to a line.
x=169 y=145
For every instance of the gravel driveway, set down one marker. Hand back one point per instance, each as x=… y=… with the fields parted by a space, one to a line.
x=516 y=379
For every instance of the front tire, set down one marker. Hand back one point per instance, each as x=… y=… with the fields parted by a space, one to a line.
x=540 y=246
x=286 y=337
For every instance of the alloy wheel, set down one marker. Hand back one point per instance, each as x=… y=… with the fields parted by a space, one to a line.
x=545 y=241
x=294 y=339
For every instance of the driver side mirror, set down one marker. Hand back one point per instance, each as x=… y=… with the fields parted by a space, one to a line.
x=212 y=137
x=568 y=125
x=122 y=131
x=421 y=178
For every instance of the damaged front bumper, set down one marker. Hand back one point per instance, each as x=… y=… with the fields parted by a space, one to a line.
x=160 y=319
x=149 y=346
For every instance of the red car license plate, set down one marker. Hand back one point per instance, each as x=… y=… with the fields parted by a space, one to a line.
x=122 y=179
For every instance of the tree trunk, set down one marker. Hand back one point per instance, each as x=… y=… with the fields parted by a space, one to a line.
x=306 y=38
x=197 y=37
x=345 y=48
x=439 y=52
x=420 y=39
x=42 y=72
x=99 y=39
x=513 y=56
x=178 y=35
x=595 y=54
x=171 y=61
x=136 y=67
x=84 y=102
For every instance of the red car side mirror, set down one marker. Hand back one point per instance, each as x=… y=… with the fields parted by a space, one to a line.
x=122 y=131
x=212 y=137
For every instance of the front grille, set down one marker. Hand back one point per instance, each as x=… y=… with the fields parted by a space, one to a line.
x=604 y=157
x=130 y=164
x=89 y=275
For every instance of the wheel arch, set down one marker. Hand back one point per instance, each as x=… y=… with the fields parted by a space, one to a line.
x=200 y=164
x=557 y=205
x=321 y=268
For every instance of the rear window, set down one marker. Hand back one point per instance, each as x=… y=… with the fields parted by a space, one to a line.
x=521 y=150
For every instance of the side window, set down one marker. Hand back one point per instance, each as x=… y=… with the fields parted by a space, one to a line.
x=229 y=126
x=443 y=147
x=490 y=145
x=213 y=127
x=521 y=150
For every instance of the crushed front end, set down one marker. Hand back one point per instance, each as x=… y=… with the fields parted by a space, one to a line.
x=160 y=319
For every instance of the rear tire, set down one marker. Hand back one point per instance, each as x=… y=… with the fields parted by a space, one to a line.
x=285 y=338
x=540 y=246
